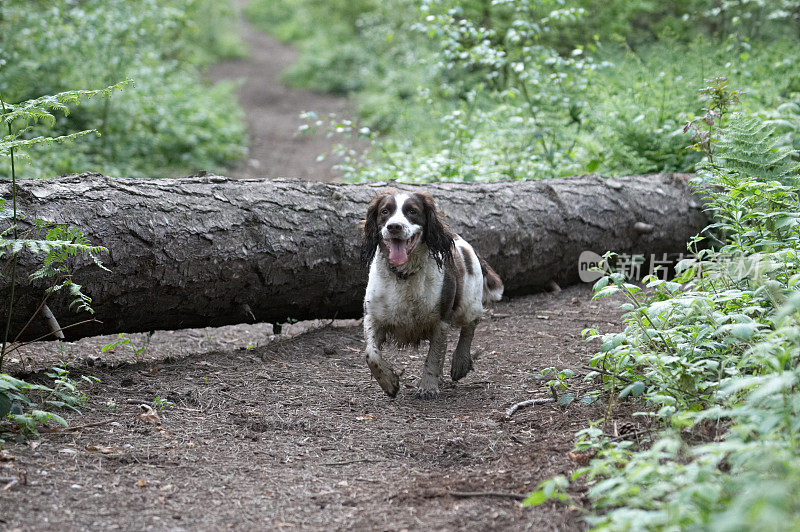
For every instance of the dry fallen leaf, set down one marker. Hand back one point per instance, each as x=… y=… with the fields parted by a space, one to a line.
x=581 y=456
x=140 y=483
x=366 y=418
x=148 y=415
x=102 y=449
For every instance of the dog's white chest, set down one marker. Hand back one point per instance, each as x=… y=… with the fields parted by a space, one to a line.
x=405 y=304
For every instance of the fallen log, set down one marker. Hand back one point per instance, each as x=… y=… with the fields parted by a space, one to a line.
x=212 y=251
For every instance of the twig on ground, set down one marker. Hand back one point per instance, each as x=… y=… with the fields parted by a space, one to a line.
x=522 y=404
x=347 y=462
x=9 y=482
x=23 y=344
x=89 y=425
x=468 y=494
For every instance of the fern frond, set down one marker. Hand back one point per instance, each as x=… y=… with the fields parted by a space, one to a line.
x=749 y=148
x=8 y=143
x=15 y=245
x=41 y=109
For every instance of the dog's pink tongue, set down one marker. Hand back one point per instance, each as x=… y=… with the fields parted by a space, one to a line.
x=397 y=251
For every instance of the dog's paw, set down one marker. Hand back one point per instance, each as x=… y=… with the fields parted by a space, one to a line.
x=389 y=381
x=385 y=375
x=460 y=367
x=428 y=388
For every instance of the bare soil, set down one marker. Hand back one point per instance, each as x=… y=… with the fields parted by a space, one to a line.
x=273 y=111
x=296 y=434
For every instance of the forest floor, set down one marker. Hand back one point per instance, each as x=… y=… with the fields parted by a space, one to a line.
x=272 y=111
x=295 y=433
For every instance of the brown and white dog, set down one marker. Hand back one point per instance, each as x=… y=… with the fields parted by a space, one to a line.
x=422 y=279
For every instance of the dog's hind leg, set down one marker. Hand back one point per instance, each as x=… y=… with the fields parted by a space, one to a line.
x=462 y=358
x=380 y=368
x=429 y=384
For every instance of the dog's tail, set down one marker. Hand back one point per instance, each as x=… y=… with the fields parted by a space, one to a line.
x=492 y=284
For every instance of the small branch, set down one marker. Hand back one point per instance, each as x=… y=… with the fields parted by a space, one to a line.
x=522 y=404
x=18 y=346
x=497 y=494
x=35 y=313
x=15 y=219
x=10 y=482
x=89 y=425
x=52 y=322
x=348 y=462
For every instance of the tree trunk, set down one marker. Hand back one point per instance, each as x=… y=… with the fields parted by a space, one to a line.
x=211 y=251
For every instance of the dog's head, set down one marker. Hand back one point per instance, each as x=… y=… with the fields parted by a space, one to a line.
x=402 y=224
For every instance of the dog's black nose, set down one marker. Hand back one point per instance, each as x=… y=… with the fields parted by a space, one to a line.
x=394 y=228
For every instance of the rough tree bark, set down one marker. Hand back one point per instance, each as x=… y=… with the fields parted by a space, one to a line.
x=214 y=251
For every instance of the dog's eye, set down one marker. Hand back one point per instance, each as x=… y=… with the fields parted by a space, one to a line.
x=385 y=211
x=411 y=210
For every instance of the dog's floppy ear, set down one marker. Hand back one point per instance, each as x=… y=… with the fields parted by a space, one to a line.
x=437 y=235
x=372 y=234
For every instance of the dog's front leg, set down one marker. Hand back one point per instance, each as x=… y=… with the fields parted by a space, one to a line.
x=380 y=368
x=462 y=359
x=429 y=384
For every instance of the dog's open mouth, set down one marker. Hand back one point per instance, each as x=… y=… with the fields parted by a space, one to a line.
x=399 y=249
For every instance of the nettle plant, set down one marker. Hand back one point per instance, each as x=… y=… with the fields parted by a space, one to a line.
x=53 y=245
x=505 y=104
x=714 y=354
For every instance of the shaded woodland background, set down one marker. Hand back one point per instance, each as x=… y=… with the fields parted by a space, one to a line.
x=443 y=90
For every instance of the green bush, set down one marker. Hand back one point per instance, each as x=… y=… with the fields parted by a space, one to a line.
x=714 y=354
x=171 y=122
x=505 y=89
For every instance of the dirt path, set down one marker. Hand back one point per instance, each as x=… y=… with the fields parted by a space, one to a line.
x=272 y=110
x=296 y=434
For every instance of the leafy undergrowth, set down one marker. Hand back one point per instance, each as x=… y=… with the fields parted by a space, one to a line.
x=168 y=122
x=473 y=90
x=715 y=356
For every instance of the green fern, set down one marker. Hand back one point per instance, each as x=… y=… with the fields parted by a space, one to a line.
x=20 y=118
x=55 y=243
x=749 y=147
